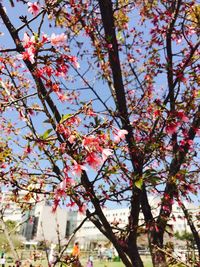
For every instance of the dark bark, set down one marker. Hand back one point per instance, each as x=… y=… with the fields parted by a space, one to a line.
x=106 y=10
x=132 y=249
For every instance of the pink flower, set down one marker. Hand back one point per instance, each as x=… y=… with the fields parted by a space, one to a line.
x=58 y=40
x=3 y=166
x=28 y=150
x=172 y=128
x=82 y=208
x=166 y=208
x=198 y=132
x=93 y=160
x=28 y=55
x=27 y=41
x=190 y=142
x=44 y=38
x=77 y=169
x=74 y=61
x=181 y=115
x=62 y=97
x=48 y=71
x=92 y=143
x=60 y=191
x=62 y=185
x=34 y=8
x=120 y=135
x=106 y=153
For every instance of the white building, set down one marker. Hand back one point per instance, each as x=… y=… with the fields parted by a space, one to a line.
x=89 y=235
x=52 y=226
x=37 y=222
x=43 y=224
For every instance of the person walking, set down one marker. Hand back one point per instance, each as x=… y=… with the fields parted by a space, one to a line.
x=76 y=255
x=90 y=262
x=100 y=253
x=3 y=260
x=76 y=250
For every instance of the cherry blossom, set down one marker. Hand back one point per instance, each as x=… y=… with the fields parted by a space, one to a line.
x=28 y=41
x=75 y=86
x=172 y=128
x=34 y=8
x=58 y=40
x=181 y=115
x=93 y=160
x=28 y=55
x=77 y=169
x=120 y=135
x=106 y=153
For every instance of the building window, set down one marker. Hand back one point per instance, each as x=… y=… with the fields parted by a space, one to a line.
x=68 y=225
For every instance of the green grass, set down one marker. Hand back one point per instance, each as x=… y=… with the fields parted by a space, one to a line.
x=146 y=260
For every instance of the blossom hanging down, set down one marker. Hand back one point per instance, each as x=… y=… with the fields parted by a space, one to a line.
x=120 y=135
x=34 y=8
x=172 y=127
x=77 y=169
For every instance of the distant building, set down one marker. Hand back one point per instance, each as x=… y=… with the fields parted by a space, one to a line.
x=42 y=224
x=89 y=236
x=39 y=223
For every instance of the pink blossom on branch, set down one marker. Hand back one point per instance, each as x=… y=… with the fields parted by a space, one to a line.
x=182 y=116
x=28 y=55
x=34 y=8
x=77 y=169
x=28 y=41
x=92 y=143
x=172 y=127
x=106 y=153
x=93 y=160
x=120 y=135
x=58 y=40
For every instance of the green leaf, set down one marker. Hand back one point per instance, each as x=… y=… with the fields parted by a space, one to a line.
x=139 y=183
x=46 y=133
x=109 y=38
x=119 y=37
x=65 y=117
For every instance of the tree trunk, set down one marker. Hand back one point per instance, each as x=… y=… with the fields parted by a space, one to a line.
x=135 y=256
x=157 y=253
x=132 y=248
